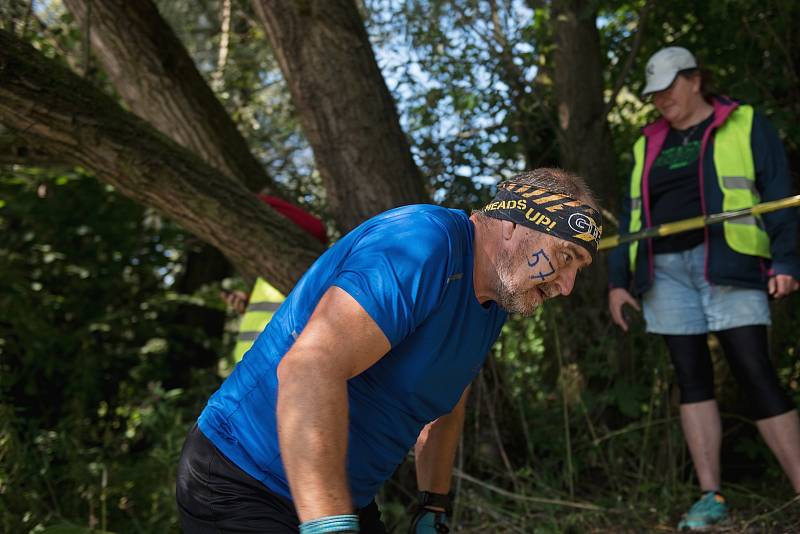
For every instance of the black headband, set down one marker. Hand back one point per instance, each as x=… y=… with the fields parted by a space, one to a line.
x=547 y=212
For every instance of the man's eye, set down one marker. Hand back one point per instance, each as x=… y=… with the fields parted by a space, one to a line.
x=567 y=258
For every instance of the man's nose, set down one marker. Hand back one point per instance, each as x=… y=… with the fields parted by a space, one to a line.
x=566 y=281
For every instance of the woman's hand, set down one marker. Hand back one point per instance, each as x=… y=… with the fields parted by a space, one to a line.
x=617 y=298
x=781 y=285
x=236 y=300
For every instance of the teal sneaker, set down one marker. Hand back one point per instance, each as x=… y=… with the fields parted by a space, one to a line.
x=708 y=511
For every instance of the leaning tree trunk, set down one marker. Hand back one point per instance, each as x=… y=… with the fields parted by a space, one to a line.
x=344 y=106
x=584 y=138
x=14 y=150
x=157 y=79
x=49 y=106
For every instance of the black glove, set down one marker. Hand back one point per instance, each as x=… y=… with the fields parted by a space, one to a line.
x=427 y=521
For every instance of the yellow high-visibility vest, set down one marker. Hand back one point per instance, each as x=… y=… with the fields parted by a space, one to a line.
x=733 y=160
x=736 y=177
x=264 y=302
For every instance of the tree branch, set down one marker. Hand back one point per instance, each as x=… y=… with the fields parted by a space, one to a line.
x=637 y=43
x=158 y=80
x=50 y=106
x=16 y=151
x=224 y=44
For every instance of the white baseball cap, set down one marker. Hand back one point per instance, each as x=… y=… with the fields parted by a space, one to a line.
x=664 y=65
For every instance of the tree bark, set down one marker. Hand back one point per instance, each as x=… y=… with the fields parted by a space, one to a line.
x=584 y=138
x=344 y=106
x=157 y=79
x=48 y=105
x=16 y=151
x=585 y=144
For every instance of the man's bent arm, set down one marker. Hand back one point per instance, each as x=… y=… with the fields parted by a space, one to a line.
x=340 y=341
x=436 y=447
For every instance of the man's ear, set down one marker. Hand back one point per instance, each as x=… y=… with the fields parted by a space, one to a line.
x=507 y=227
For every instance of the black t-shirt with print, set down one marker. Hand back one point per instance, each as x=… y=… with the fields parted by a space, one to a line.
x=675 y=186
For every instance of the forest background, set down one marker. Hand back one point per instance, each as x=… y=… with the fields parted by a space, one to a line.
x=132 y=138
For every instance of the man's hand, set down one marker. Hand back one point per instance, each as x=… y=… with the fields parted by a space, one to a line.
x=431 y=516
x=617 y=298
x=429 y=522
x=781 y=285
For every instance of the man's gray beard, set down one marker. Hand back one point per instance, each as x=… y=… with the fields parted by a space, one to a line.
x=508 y=297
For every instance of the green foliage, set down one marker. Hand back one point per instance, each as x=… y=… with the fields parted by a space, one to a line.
x=248 y=82
x=87 y=430
x=466 y=90
x=601 y=428
x=97 y=392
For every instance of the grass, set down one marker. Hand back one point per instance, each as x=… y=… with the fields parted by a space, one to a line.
x=754 y=509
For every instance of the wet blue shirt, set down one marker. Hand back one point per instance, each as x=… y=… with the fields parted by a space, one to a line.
x=410 y=268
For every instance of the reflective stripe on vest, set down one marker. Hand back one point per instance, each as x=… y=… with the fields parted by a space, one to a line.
x=733 y=160
x=264 y=301
x=636 y=199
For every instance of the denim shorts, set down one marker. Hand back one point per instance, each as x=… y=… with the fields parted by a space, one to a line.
x=682 y=302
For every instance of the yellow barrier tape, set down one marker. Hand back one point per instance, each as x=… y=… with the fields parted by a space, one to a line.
x=694 y=223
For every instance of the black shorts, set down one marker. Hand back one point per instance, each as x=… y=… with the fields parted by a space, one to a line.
x=215 y=496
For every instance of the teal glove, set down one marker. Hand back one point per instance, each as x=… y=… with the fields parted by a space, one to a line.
x=429 y=522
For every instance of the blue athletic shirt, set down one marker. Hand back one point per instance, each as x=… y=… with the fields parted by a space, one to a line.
x=410 y=268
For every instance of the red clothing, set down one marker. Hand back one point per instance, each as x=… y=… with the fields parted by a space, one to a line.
x=301 y=218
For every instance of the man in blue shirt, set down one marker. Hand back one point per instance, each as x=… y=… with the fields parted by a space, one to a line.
x=373 y=352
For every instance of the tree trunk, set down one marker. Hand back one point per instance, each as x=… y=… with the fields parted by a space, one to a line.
x=344 y=107
x=157 y=79
x=585 y=144
x=48 y=105
x=584 y=137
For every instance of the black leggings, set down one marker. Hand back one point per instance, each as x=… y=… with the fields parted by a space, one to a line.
x=747 y=351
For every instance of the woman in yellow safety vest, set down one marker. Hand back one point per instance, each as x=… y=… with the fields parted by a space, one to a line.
x=708 y=154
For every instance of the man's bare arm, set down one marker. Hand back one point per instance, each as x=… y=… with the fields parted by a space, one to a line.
x=340 y=341
x=436 y=447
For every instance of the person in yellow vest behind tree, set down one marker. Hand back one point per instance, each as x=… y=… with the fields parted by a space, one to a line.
x=264 y=299
x=708 y=154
